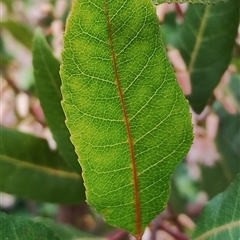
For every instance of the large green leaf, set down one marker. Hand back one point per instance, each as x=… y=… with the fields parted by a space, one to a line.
x=127 y=115
x=220 y=218
x=30 y=169
x=20 y=228
x=206 y=40
x=189 y=1
x=48 y=82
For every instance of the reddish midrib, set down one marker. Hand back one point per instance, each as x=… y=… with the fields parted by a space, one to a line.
x=130 y=140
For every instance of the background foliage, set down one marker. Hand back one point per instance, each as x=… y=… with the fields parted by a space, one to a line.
x=34 y=168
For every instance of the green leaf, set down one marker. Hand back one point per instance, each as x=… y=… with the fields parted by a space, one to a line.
x=169 y=27
x=48 y=82
x=6 y=56
x=66 y=232
x=183 y=189
x=8 y=3
x=206 y=40
x=30 y=169
x=128 y=118
x=20 y=31
x=220 y=217
x=221 y=174
x=189 y=1
x=16 y=228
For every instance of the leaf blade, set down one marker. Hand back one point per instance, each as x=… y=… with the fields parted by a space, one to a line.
x=66 y=232
x=48 y=82
x=50 y=175
x=107 y=99
x=206 y=40
x=22 y=228
x=220 y=217
x=20 y=31
x=225 y=170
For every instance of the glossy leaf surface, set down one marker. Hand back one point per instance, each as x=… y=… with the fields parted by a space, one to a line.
x=127 y=115
x=206 y=40
x=48 y=82
x=30 y=169
x=220 y=217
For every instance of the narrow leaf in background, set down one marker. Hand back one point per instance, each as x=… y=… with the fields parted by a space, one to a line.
x=205 y=40
x=220 y=217
x=30 y=169
x=20 y=31
x=128 y=118
x=48 y=82
x=16 y=228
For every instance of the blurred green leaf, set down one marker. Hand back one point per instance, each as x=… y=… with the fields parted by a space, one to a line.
x=48 y=82
x=8 y=3
x=183 y=188
x=236 y=57
x=20 y=31
x=169 y=27
x=220 y=218
x=64 y=231
x=221 y=175
x=228 y=143
x=20 y=228
x=6 y=57
x=30 y=169
x=205 y=40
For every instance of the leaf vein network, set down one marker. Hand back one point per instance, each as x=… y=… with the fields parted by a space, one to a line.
x=97 y=117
